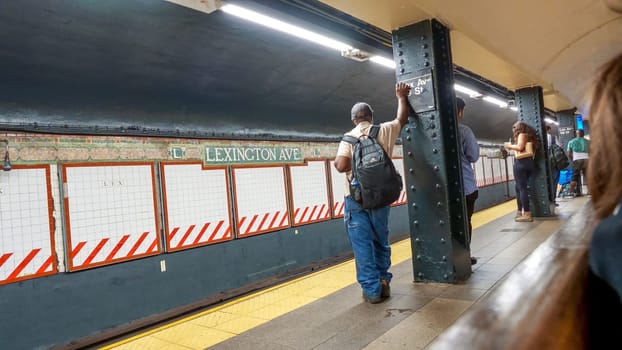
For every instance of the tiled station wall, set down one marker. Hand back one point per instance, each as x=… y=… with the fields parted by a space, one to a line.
x=77 y=202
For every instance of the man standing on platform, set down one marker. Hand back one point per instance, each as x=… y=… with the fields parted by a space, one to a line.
x=578 y=151
x=368 y=229
x=468 y=156
x=553 y=141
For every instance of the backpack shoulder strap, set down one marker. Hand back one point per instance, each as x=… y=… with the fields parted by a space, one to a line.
x=373 y=132
x=349 y=139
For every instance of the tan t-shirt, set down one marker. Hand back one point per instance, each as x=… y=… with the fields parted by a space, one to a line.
x=388 y=133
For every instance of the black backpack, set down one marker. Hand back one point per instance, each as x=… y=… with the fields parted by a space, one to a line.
x=379 y=184
x=558 y=157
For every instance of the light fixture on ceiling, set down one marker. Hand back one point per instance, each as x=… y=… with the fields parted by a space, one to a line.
x=472 y=93
x=495 y=101
x=550 y=121
x=346 y=50
x=285 y=27
x=355 y=54
x=383 y=61
x=207 y=6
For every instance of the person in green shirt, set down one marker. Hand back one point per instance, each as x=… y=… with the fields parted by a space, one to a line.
x=578 y=151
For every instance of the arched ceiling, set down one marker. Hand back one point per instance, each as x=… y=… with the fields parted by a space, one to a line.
x=155 y=68
x=555 y=44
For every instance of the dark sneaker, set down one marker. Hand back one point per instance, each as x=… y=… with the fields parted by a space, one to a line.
x=373 y=300
x=386 y=288
x=473 y=261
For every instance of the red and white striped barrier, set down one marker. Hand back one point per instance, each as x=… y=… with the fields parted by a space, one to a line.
x=258 y=223
x=110 y=213
x=309 y=192
x=194 y=235
x=338 y=181
x=92 y=253
x=260 y=199
x=311 y=214
x=14 y=267
x=338 y=208
x=26 y=223
x=196 y=205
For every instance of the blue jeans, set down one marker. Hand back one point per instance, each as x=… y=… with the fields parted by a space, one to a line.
x=368 y=231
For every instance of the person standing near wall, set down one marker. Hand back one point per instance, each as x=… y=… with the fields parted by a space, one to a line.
x=578 y=151
x=523 y=167
x=551 y=140
x=557 y=161
x=604 y=179
x=368 y=229
x=468 y=156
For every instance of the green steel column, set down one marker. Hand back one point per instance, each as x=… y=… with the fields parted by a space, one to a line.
x=531 y=111
x=437 y=209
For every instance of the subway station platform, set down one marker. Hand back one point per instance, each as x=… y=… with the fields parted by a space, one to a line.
x=325 y=310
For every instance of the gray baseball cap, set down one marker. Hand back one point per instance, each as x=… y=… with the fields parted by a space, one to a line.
x=361 y=109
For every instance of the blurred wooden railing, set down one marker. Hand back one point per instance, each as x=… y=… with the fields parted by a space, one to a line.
x=541 y=304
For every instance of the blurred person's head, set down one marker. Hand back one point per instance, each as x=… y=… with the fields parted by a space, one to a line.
x=605 y=113
x=460 y=107
x=360 y=112
x=524 y=128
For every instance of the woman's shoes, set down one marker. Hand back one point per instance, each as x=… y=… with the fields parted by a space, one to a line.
x=524 y=219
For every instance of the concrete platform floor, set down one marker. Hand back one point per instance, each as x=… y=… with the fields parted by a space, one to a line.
x=325 y=310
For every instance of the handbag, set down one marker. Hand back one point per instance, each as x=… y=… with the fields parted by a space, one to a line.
x=527 y=152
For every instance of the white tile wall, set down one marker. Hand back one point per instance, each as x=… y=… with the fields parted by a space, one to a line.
x=338 y=182
x=107 y=203
x=260 y=191
x=196 y=197
x=24 y=221
x=309 y=191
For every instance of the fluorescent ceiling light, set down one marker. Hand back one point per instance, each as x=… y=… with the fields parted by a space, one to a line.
x=207 y=6
x=496 y=101
x=514 y=108
x=383 y=61
x=345 y=49
x=550 y=121
x=284 y=27
x=466 y=90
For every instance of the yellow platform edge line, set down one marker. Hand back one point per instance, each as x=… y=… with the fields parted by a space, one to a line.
x=220 y=307
x=480 y=218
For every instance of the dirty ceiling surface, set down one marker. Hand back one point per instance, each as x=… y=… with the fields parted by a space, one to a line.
x=153 y=65
x=554 y=44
